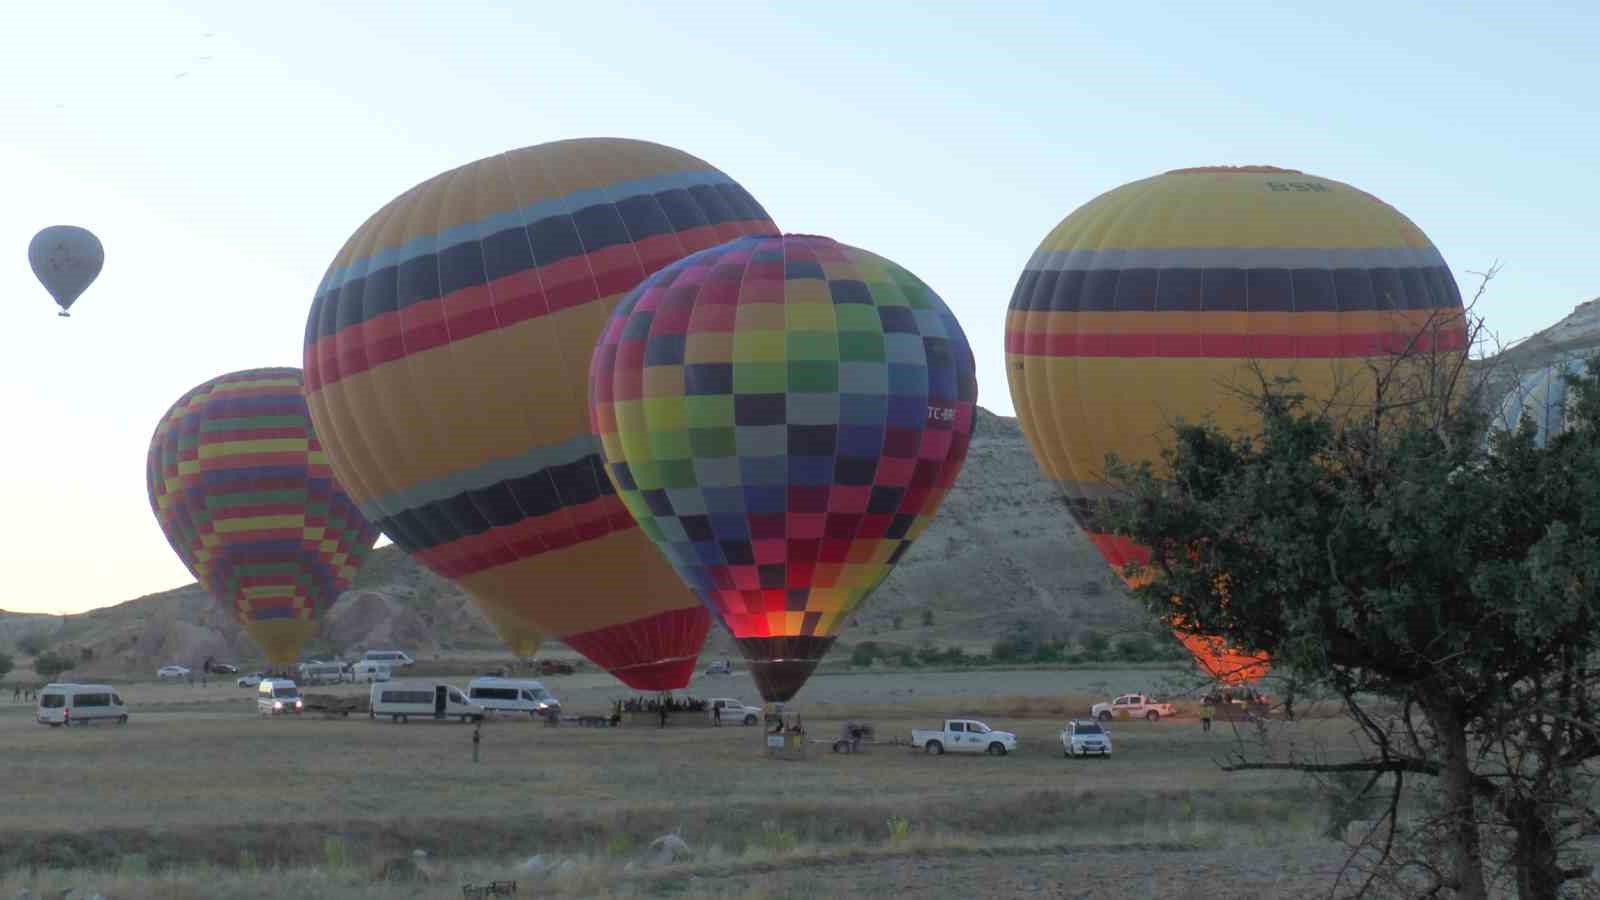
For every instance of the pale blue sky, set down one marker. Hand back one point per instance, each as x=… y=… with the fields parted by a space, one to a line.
x=947 y=137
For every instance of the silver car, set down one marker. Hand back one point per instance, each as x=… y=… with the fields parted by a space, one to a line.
x=1085 y=737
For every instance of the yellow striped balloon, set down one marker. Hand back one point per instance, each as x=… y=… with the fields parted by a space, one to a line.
x=1148 y=303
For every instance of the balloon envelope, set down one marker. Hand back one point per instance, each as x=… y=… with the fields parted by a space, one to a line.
x=244 y=494
x=1148 y=303
x=1542 y=396
x=783 y=416
x=447 y=355
x=66 y=259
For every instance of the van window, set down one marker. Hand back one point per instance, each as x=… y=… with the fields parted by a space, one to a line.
x=406 y=697
x=52 y=701
x=540 y=694
x=285 y=692
x=92 y=700
x=455 y=696
x=116 y=699
x=483 y=693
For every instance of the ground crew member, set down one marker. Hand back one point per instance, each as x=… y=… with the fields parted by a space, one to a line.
x=1205 y=715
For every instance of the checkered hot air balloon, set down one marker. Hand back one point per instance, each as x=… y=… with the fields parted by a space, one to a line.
x=1148 y=302
x=447 y=355
x=244 y=494
x=783 y=416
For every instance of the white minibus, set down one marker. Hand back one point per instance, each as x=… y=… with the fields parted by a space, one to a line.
x=277 y=696
x=400 y=700
x=79 y=704
x=513 y=695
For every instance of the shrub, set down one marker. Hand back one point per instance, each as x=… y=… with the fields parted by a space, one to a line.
x=898 y=827
x=1094 y=643
x=49 y=665
x=1136 y=649
x=864 y=654
x=776 y=839
x=6 y=665
x=334 y=852
x=898 y=620
x=927 y=618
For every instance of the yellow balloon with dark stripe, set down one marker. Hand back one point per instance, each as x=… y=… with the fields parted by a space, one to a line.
x=1151 y=302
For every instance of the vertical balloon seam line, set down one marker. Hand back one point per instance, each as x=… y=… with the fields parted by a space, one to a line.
x=710 y=595
x=877 y=290
x=341 y=429
x=448 y=354
x=417 y=212
x=333 y=441
x=557 y=186
x=524 y=203
x=495 y=534
x=641 y=548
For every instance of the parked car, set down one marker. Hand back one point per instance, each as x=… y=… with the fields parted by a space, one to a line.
x=223 y=669
x=1132 y=706
x=400 y=700
x=1085 y=738
x=513 y=695
x=249 y=680
x=964 y=736
x=66 y=704
x=733 y=711
x=172 y=672
x=720 y=667
x=278 y=696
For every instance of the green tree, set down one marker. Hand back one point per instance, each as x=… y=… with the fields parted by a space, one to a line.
x=927 y=618
x=1445 y=587
x=6 y=664
x=49 y=665
x=1094 y=644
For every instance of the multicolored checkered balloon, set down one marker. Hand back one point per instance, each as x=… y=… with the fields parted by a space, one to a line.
x=782 y=417
x=244 y=494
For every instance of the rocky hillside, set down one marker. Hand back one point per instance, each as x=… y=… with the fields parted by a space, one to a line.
x=1002 y=554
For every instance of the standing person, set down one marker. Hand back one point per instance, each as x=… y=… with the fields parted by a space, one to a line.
x=716 y=714
x=663 y=708
x=1205 y=715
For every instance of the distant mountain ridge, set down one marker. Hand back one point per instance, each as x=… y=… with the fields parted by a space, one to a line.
x=1002 y=553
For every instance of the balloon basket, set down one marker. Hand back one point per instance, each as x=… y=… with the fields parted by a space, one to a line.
x=64 y=314
x=784 y=734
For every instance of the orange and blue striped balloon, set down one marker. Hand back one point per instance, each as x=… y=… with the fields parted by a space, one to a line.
x=244 y=494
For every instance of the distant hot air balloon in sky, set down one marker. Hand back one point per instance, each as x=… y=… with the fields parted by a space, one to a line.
x=243 y=491
x=66 y=259
x=447 y=355
x=783 y=416
x=1146 y=304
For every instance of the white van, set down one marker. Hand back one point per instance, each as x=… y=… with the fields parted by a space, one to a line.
x=399 y=700
x=278 y=696
x=368 y=670
x=68 y=704
x=512 y=695
x=320 y=673
x=395 y=658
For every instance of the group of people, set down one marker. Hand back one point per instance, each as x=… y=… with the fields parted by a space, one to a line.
x=24 y=693
x=666 y=702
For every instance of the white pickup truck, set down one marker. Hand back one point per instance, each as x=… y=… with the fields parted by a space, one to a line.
x=964 y=736
x=1132 y=706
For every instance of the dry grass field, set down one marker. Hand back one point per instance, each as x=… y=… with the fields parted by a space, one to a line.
x=196 y=797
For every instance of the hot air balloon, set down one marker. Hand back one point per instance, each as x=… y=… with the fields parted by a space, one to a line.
x=1147 y=303
x=783 y=416
x=66 y=259
x=447 y=355
x=242 y=489
x=1541 y=396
